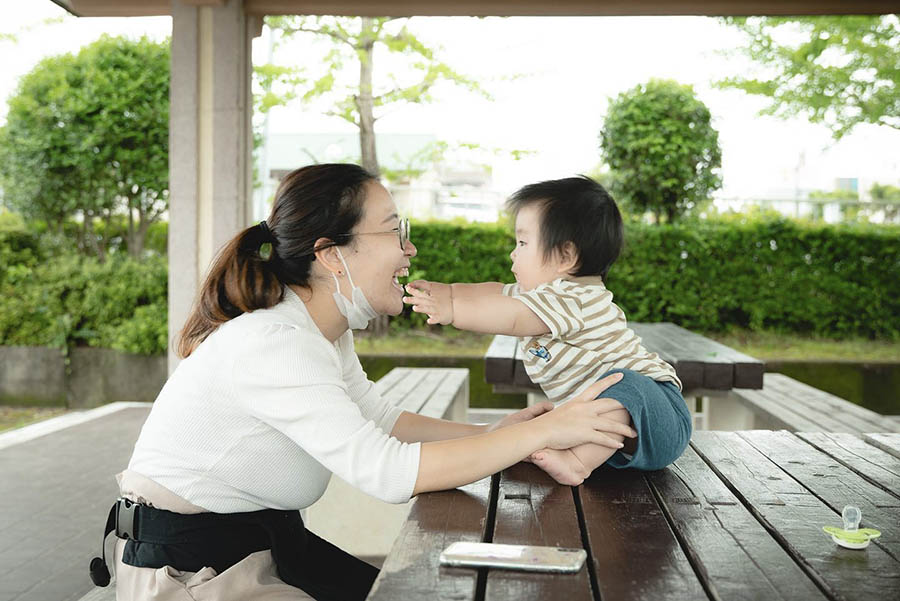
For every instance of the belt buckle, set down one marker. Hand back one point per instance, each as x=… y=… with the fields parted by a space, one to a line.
x=125 y=518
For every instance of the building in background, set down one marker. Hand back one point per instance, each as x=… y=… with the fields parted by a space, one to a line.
x=422 y=188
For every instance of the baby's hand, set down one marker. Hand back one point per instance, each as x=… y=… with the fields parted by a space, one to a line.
x=432 y=298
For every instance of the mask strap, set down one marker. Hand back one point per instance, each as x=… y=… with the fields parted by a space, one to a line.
x=347 y=269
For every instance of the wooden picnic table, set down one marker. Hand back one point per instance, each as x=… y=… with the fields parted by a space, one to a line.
x=701 y=363
x=738 y=516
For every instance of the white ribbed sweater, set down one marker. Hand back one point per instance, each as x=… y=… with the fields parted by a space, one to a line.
x=264 y=411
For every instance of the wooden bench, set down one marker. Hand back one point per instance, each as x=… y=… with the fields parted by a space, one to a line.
x=783 y=403
x=360 y=524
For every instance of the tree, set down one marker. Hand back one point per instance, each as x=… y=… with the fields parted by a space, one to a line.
x=659 y=141
x=355 y=41
x=87 y=138
x=888 y=198
x=839 y=71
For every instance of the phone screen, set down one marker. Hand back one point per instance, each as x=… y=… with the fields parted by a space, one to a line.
x=513 y=557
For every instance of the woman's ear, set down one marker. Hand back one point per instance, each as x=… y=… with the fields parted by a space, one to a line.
x=568 y=257
x=327 y=256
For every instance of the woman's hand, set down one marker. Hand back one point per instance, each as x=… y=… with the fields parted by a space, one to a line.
x=541 y=408
x=581 y=420
x=432 y=298
x=523 y=415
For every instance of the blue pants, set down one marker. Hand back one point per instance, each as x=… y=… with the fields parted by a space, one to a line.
x=660 y=416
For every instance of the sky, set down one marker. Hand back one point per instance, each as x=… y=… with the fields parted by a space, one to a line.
x=568 y=69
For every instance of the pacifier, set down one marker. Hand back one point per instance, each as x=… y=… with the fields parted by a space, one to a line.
x=851 y=536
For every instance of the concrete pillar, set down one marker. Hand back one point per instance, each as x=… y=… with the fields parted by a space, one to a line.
x=210 y=143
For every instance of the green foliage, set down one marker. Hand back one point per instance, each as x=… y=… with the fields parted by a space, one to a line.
x=839 y=71
x=78 y=301
x=835 y=194
x=837 y=281
x=759 y=274
x=20 y=251
x=86 y=137
x=659 y=141
x=884 y=192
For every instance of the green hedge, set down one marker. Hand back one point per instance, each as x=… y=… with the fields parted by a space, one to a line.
x=775 y=275
x=832 y=281
x=835 y=281
x=77 y=301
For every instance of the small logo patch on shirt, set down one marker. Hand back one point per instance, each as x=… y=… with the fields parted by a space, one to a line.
x=539 y=351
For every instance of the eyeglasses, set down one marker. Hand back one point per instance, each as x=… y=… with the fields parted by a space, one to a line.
x=402 y=232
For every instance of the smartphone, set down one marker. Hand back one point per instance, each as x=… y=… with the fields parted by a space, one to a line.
x=513 y=557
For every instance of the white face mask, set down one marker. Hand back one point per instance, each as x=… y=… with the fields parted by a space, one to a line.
x=358 y=311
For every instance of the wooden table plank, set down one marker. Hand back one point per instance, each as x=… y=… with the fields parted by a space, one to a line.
x=411 y=570
x=772 y=412
x=834 y=484
x=425 y=386
x=499 y=360
x=520 y=376
x=845 y=416
x=748 y=371
x=407 y=380
x=388 y=381
x=532 y=509
x=442 y=397
x=868 y=461
x=718 y=368
x=890 y=443
x=634 y=552
x=795 y=516
x=739 y=558
x=690 y=371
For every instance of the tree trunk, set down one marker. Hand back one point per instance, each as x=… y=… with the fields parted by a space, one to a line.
x=131 y=242
x=365 y=103
x=137 y=234
x=90 y=239
x=671 y=214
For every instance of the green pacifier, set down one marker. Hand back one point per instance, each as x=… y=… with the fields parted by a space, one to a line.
x=851 y=535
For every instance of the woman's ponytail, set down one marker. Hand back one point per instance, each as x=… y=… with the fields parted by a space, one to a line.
x=241 y=280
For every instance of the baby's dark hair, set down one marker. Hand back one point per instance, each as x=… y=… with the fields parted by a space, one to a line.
x=580 y=211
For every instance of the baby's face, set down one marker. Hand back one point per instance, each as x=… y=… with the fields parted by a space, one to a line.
x=528 y=265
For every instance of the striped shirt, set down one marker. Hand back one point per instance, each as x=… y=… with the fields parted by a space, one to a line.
x=588 y=337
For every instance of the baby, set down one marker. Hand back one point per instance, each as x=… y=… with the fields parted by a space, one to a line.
x=569 y=232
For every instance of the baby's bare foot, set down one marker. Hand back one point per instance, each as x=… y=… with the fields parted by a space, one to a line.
x=562 y=466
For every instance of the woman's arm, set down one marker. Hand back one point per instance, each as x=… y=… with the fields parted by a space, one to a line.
x=451 y=463
x=412 y=427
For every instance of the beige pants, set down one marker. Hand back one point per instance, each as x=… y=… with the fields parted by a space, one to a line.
x=252 y=578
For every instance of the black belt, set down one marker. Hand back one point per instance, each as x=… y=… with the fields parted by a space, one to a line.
x=190 y=542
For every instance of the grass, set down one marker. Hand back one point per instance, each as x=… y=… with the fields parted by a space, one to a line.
x=768 y=346
x=16 y=417
x=771 y=346
x=449 y=342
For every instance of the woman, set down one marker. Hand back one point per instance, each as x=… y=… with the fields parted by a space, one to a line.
x=270 y=400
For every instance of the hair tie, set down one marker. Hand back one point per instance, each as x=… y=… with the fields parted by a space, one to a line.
x=267 y=233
